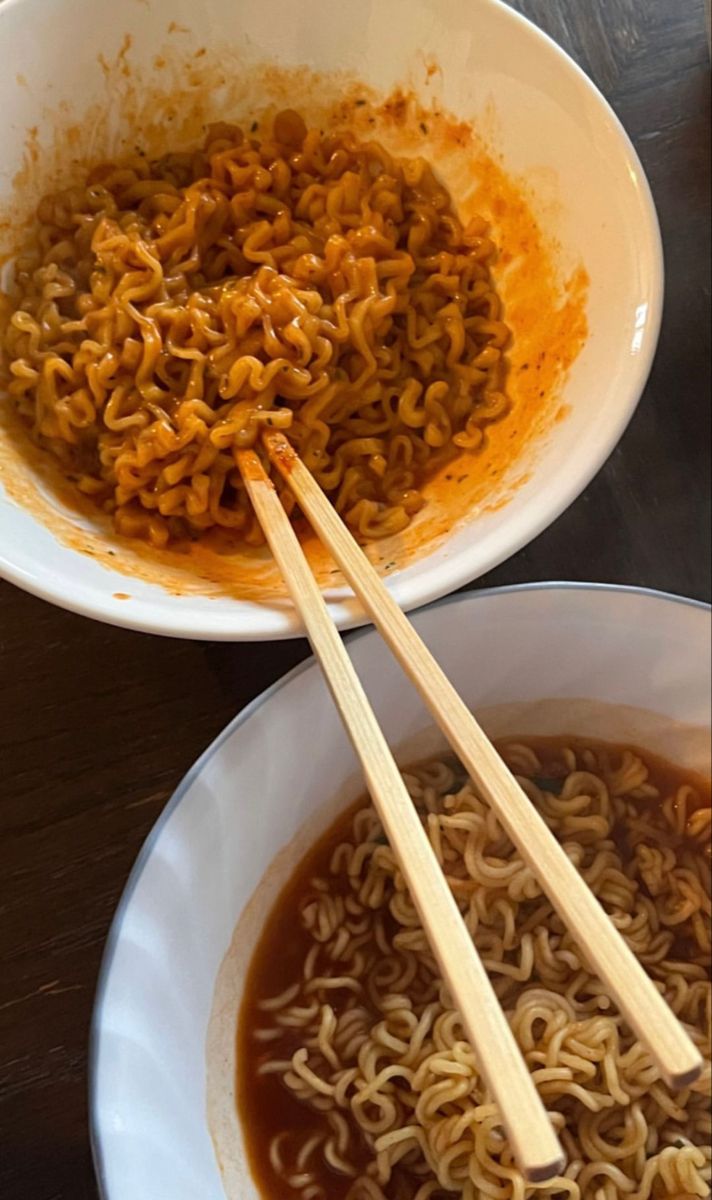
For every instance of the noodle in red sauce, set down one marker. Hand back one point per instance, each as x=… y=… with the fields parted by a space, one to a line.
x=169 y=311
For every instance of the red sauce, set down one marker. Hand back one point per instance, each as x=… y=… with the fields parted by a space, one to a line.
x=265 y=1106
x=545 y=297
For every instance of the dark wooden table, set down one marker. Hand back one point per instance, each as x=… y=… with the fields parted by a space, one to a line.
x=98 y=724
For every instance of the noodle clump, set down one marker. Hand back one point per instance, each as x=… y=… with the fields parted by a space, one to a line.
x=366 y=1039
x=309 y=282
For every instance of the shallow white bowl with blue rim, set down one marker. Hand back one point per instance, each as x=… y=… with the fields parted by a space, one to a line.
x=618 y=663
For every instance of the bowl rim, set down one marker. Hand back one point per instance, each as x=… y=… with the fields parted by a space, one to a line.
x=267 y=623
x=245 y=714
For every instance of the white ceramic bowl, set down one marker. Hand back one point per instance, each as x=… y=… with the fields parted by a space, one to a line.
x=640 y=661
x=80 y=88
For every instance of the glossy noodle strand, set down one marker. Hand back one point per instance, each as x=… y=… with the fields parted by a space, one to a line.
x=366 y=1039
x=310 y=282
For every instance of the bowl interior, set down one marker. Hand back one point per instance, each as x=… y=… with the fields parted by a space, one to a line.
x=624 y=665
x=548 y=164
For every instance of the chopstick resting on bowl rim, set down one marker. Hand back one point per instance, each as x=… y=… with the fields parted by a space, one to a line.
x=531 y=1134
x=637 y=997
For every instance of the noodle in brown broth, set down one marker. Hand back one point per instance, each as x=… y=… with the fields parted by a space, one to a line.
x=309 y=282
x=356 y=1079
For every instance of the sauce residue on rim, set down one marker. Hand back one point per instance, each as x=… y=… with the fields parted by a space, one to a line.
x=545 y=301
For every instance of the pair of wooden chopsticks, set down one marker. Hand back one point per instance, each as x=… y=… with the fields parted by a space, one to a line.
x=534 y=1142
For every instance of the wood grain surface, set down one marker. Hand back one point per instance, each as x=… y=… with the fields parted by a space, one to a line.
x=98 y=724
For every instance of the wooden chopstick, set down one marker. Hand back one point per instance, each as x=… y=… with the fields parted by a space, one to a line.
x=675 y=1054
x=528 y=1126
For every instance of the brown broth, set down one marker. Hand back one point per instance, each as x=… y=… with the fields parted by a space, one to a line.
x=265 y=1107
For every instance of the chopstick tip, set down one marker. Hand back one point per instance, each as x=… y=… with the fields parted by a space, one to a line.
x=539 y=1173
x=679 y=1080
x=548 y=1169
